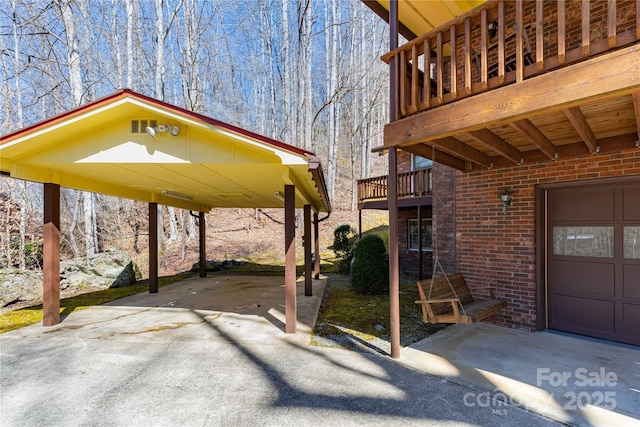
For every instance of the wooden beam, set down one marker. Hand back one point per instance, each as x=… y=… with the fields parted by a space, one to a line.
x=636 y=108
x=436 y=155
x=497 y=144
x=316 y=243
x=562 y=38
x=539 y=34
x=308 y=268
x=614 y=144
x=290 y=305
x=586 y=28
x=153 y=248
x=51 y=256
x=603 y=77
x=202 y=231
x=579 y=122
x=535 y=136
x=394 y=261
x=611 y=24
x=519 y=42
x=462 y=150
x=484 y=69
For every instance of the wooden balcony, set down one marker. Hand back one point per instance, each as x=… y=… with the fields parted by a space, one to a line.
x=413 y=188
x=514 y=82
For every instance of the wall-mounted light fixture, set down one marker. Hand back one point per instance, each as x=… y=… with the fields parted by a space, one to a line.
x=279 y=196
x=176 y=195
x=173 y=130
x=506 y=198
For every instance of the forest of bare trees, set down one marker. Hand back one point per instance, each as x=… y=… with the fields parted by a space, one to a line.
x=306 y=72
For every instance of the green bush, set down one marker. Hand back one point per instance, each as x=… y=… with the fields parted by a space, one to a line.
x=343 y=247
x=370 y=271
x=342 y=241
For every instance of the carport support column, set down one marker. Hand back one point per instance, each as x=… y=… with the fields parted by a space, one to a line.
x=202 y=230
x=316 y=243
x=290 y=258
x=51 y=261
x=153 y=248
x=308 y=284
x=392 y=194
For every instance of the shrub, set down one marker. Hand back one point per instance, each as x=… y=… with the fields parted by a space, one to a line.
x=342 y=242
x=343 y=247
x=369 y=271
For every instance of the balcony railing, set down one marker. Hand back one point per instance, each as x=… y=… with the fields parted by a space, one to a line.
x=503 y=42
x=410 y=184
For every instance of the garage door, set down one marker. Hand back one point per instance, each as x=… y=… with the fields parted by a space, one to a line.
x=593 y=254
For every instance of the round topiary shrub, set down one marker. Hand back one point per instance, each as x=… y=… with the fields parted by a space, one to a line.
x=369 y=271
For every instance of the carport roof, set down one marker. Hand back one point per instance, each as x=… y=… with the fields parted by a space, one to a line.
x=103 y=147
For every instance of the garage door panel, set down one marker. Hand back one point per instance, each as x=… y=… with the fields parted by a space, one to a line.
x=593 y=259
x=569 y=312
x=631 y=197
x=583 y=277
x=577 y=204
x=631 y=282
x=630 y=322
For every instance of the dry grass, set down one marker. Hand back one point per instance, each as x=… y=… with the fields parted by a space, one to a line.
x=352 y=320
x=26 y=316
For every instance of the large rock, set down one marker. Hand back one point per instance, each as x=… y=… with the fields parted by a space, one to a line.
x=19 y=285
x=112 y=269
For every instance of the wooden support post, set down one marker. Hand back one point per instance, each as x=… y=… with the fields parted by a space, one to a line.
x=308 y=270
x=202 y=231
x=153 y=248
x=51 y=261
x=420 y=256
x=392 y=197
x=290 y=307
x=316 y=249
x=359 y=223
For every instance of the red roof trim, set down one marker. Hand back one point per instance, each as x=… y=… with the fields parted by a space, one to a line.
x=127 y=93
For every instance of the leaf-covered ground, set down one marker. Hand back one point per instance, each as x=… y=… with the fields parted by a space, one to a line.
x=351 y=320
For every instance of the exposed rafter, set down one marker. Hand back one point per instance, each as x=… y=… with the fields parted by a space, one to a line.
x=437 y=156
x=636 y=108
x=581 y=126
x=497 y=144
x=535 y=136
x=457 y=148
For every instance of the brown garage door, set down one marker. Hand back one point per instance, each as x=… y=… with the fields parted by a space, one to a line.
x=593 y=275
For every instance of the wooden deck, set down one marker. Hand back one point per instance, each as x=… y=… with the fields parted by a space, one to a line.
x=574 y=90
x=415 y=185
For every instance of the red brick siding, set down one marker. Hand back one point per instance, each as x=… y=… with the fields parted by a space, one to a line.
x=409 y=260
x=444 y=185
x=499 y=250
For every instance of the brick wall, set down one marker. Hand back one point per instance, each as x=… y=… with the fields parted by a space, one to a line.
x=499 y=250
x=444 y=222
x=409 y=260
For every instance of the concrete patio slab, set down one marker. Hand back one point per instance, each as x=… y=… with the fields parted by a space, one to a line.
x=196 y=354
x=570 y=379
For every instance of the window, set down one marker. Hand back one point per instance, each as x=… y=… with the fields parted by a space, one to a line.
x=583 y=241
x=427 y=235
x=632 y=242
x=419 y=163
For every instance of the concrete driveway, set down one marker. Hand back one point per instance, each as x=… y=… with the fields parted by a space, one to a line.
x=212 y=352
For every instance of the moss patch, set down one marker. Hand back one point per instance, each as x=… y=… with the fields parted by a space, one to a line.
x=26 y=316
x=346 y=313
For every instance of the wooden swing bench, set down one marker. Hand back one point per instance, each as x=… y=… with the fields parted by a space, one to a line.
x=443 y=306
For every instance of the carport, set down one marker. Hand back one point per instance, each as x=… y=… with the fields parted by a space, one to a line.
x=132 y=146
